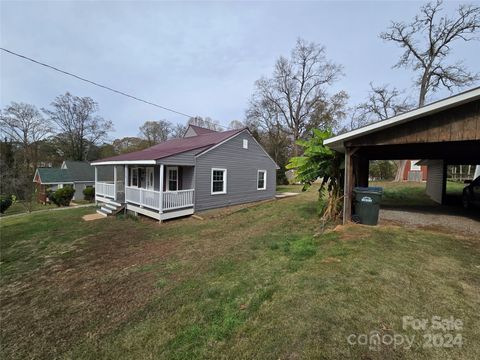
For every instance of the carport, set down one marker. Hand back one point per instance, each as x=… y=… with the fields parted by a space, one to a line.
x=446 y=132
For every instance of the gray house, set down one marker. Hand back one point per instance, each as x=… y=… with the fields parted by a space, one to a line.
x=203 y=170
x=77 y=174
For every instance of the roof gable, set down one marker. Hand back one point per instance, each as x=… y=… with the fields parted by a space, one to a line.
x=80 y=170
x=244 y=130
x=194 y=130
x=173 y=147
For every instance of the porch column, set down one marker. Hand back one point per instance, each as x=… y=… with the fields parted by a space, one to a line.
x=96 y=188
x=347 y=187
x=126 y=182
x=161 y=190
x=114 y=182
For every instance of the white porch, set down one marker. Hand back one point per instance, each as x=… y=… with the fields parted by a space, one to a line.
x=156 y=191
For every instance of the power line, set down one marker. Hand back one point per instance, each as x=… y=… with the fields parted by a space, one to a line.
x=94 y=83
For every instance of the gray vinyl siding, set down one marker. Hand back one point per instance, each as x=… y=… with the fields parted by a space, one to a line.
x=185 y=158
x=79 y=187
x=434 y=187
x=242 y=166
x=187 y=177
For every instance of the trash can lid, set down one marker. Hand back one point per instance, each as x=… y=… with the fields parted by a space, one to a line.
x=369 y=189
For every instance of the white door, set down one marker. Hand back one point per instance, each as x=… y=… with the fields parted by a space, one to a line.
x=150 y=178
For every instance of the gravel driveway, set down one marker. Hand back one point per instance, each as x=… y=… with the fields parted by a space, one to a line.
x=451 y=222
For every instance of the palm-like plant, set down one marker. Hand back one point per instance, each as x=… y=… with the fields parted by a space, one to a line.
x=319 y=162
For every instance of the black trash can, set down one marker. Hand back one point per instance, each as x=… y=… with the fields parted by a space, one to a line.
x=367 y=204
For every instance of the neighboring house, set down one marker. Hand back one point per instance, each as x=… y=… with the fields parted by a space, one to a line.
x=203 y=170
x=77 y=174
x=414 y=171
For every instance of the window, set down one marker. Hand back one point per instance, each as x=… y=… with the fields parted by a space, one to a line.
x=219 y=181
x=413 y=165
x=262 y=180
x=245 y=143
x=172 y=178
x=134 y=177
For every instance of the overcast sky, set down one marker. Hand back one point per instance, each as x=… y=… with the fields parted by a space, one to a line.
x=200 y=58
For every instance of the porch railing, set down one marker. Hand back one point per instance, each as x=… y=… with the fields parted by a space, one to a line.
x=151 y=198
x=143 y=197
x=177 y=199
x=105 y=189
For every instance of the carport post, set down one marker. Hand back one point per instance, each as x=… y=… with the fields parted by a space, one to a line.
x=348 y=185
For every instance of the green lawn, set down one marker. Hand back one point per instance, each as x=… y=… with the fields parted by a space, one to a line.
x=410 y=193
x=260 y=282
x=289 y=188
x=20 y=208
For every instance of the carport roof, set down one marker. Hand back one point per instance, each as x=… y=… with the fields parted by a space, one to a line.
x=338 y=142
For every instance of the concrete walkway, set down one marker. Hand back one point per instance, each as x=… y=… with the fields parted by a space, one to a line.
x=285 y=195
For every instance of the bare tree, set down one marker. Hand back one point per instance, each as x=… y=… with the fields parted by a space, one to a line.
x=24 y=124
x=155 y=132
x=178 y=131
x=207 y=123
x=264 y=120
x=236 y=124
x=329 y=113
x=297 y=86
x=78 y=125
x=383 y=103
x=26 y=128
x=428 y=41
x=129 y=144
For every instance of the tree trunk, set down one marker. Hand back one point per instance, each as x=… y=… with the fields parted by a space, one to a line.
x=400 y=169
x=423 y=89
x=295 y=145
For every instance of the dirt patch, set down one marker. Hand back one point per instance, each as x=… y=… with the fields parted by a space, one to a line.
x=91 y=217
x=351 y=231
x=227 y=211
x=87 y=293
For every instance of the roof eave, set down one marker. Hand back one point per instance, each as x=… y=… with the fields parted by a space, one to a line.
x=337 y=143
x=125 y=162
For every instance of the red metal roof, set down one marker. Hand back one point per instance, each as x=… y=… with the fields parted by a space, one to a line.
x=175 y=146
x=200 y=130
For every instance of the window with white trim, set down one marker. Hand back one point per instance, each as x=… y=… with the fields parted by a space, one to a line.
x=219 y=181
x=262 y=180
x=245 y=143
x=172 y=176
x=134 y=177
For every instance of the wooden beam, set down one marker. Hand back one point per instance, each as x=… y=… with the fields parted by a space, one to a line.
x=348 y=185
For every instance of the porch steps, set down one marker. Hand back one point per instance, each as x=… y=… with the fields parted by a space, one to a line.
x=110 y=207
